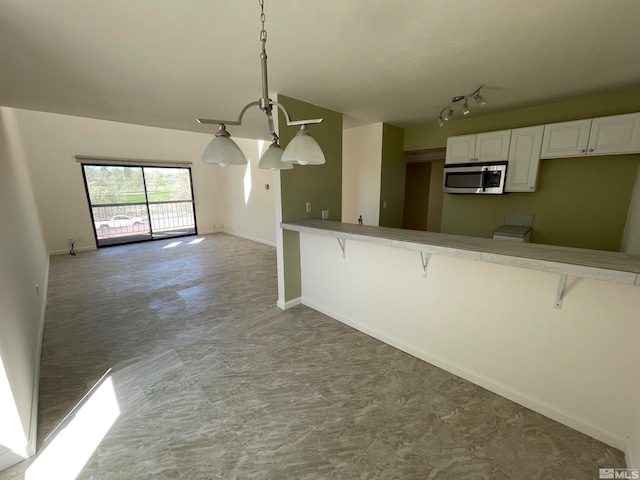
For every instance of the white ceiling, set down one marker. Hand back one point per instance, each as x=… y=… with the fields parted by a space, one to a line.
x=166 y=62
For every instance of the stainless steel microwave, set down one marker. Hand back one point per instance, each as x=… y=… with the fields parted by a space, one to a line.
x=477 y=178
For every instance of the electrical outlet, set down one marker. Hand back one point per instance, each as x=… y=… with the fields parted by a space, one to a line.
x=325 y=214
x=308 y=207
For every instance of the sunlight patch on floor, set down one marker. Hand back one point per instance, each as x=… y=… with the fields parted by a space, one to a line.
x=70 y=450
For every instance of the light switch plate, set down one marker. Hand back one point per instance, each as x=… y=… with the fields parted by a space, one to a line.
x=325 y=214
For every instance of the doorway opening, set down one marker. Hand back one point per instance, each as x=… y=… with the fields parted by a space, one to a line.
x=423 y=196
x=135 y=204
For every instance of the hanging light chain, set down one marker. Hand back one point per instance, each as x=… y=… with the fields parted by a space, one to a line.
x=265 y=102
x=263 y=32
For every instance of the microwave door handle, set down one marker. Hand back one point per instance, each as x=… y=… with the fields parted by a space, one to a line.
x=483 y=179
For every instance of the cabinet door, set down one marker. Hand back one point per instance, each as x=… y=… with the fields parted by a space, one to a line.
x=566 y=139
x=460 y=149
x=492 y=146
x=616 y=134
x=524 y=159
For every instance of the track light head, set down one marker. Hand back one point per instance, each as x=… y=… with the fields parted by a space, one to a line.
x=462 y=102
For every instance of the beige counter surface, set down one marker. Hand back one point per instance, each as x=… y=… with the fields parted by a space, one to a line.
x=600 y=265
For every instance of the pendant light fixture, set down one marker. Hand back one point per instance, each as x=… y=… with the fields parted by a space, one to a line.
x=272 y=159
x=460 y=101
x=302 y=149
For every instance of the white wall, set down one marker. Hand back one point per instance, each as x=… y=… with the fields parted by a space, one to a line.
x=361 y=173
x=631 y=235
x=247 y=208
x=53 y=140
x=23 y=264
x=495 y=325
x=51 y=143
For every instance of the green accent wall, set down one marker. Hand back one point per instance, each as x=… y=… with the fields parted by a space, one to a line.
x=319 y=184
x=393 y=176
x=580 y=202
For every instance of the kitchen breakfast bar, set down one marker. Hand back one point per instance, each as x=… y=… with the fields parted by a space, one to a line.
x=555 y=329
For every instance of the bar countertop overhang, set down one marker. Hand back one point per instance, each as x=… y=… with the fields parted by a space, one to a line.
x=613 y=267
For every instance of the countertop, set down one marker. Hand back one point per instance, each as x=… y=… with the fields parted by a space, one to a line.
x=600 y=265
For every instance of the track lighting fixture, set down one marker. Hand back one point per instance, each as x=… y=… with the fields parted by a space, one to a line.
x=302 y=149
x=479 y=98
x=460 y=101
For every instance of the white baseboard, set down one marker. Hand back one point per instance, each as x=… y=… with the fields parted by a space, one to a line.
x=249 y=237
x=290 y=303
x=33 y=421
x=66 y=250
x=537 y=405
x=8 y=459
x=210 y=232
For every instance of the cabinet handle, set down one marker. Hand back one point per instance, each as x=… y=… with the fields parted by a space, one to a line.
x=591 y=149
x=582 y=151
x=530 y=188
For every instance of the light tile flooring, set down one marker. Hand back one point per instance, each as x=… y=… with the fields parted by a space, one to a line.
x=214 y=381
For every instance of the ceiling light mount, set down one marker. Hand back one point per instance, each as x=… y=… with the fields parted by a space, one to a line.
x=302 y=149
x=461 y=101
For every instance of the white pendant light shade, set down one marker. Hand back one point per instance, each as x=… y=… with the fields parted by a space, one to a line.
x=223 y=151
x=272 y=159
x=303 y=149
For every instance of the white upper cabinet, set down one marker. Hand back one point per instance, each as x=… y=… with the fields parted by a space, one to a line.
x=493 y=146
x=460 y=149
x=613 y=135
x=483 y=147
x=524 y=159
x=566 y=139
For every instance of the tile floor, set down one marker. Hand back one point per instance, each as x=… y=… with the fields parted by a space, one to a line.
x=214 y=381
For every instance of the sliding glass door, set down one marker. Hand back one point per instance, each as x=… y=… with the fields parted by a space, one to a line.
x=133 y=204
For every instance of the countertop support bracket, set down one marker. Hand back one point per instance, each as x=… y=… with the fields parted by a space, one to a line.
x=343 y=246
x=425 y=262
x=562 y=284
